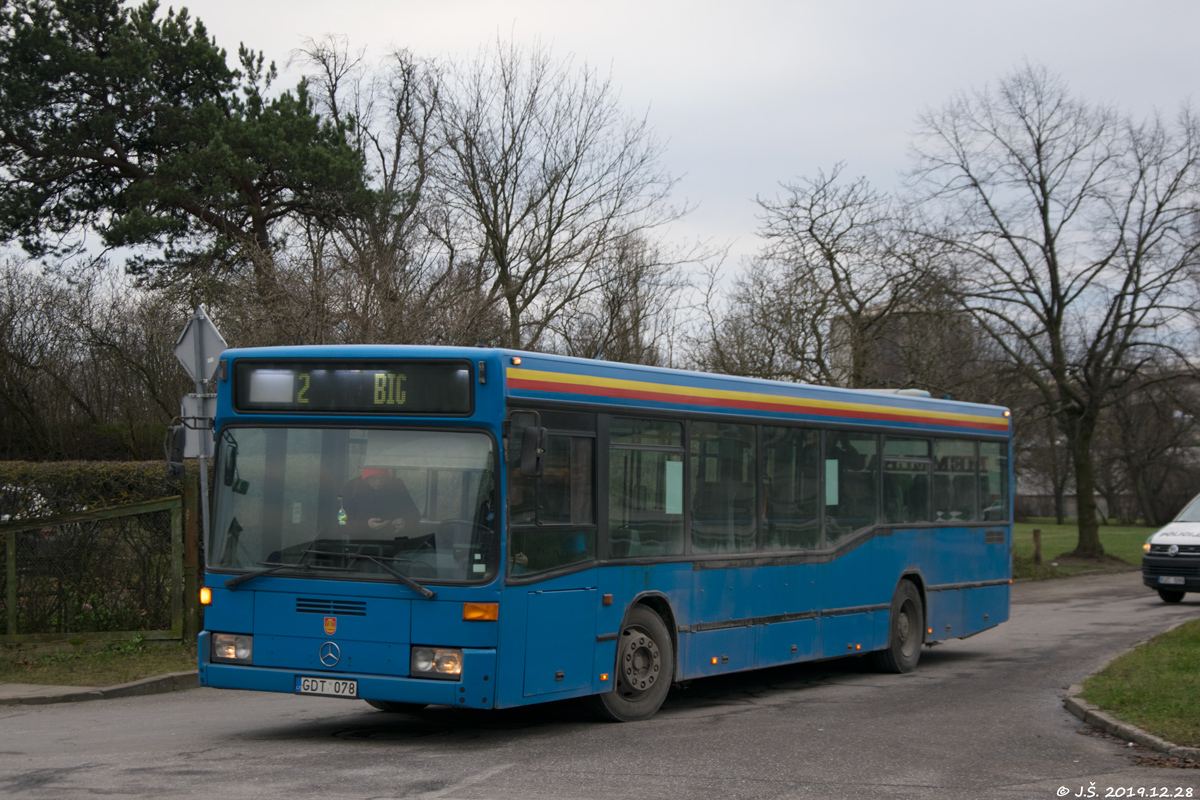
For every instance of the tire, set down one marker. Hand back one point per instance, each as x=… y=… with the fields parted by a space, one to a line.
x=396 y=708
x=644 y=667
x=1171 y=595
x=906 y=632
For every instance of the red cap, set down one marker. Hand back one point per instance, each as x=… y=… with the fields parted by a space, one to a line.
x=369 y=471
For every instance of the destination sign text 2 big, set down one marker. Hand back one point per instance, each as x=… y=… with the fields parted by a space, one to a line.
x=385 y=387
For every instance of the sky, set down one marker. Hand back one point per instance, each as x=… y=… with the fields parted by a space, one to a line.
x=750 y=94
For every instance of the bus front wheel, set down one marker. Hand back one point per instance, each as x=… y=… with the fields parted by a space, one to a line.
x=645 y=664
x=1171 y=595
x=906 y=630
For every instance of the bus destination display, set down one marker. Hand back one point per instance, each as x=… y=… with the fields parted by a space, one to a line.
x=383 y=388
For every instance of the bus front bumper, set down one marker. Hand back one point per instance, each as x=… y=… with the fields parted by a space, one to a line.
x=475 y=689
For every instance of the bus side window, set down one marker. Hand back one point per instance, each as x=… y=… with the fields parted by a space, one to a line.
x=645 y=488
x=851 y=484
x=906 y=484
x=954 y=481
x=791 y=487
x=565 y=488
x=552 y=517
x=645 y=502
x=993 y=481
x=723 y=488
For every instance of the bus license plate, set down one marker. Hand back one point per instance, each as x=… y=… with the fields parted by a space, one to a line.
x=1174 y=580
x=326 y=687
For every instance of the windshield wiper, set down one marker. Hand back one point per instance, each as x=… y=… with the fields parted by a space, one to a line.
x=428 y=594
x=233 y=582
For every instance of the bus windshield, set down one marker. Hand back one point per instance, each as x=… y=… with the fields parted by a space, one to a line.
x=359 y=503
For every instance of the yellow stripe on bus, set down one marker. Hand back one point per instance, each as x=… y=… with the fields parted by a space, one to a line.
x=754 y=397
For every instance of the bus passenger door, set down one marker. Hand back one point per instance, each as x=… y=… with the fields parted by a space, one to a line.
x=560 y=636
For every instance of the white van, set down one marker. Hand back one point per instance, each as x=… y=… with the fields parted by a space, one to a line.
x=1171 y=563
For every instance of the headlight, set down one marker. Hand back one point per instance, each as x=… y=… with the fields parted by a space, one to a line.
x=443 y=663
x=232 y=647
x=1146 y=546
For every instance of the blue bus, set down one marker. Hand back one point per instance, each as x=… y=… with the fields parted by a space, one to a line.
x=486 y=528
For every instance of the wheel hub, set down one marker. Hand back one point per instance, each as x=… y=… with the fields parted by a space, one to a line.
x=640 y=663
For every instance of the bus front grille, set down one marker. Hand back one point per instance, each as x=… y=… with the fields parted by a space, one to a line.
x=1174 y=568
x=345 y=608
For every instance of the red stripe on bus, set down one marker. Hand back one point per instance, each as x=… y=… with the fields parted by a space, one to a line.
x=665 y=397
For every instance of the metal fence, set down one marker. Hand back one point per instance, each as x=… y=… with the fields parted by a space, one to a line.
x=105 y=574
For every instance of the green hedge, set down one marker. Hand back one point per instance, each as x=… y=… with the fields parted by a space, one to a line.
x=32 y=490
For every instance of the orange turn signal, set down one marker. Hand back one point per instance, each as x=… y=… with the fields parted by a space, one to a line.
x=206 y=596
x=481 y=612
x=603 y=677
x=516 y=361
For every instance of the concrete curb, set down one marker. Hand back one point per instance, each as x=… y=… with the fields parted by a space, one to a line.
x=160 y=684
x=1093 y=716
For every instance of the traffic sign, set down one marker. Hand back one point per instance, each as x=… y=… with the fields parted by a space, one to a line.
x=200 y=346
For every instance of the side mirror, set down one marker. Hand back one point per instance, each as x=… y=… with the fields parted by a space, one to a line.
x=533 y=451
x=230 y=471
x=176 y=438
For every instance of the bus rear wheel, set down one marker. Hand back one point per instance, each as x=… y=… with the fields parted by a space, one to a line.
x=396 y=708
x=1171 y=595
x=906 y=630
x=645 y=664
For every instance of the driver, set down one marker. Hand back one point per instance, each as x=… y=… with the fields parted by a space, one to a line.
x=379 y=504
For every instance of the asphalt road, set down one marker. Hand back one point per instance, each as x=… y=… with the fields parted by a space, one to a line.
x=980 y=718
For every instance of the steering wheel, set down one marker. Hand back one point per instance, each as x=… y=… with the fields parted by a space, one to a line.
x=471 y=525
x=480 y=536
x=420 y=569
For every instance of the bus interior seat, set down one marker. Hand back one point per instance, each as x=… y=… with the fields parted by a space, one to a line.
x=963 y=496
x=918 y=499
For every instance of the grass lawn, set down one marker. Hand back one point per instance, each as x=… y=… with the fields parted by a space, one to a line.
x=118 y=663
x=1156 y=686
x=1120 y=541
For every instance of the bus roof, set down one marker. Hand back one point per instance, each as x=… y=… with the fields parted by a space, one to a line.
x=540 y=377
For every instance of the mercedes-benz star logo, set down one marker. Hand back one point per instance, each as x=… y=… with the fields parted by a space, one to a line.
x=330 y=654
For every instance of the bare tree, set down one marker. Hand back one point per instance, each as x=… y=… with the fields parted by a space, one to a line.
x=546 y=176
x=849 y=241
x=772 y=324
x=633 y=314
x=86 y=364
x=28 y=346
x=391 y=272
x=500 y=197
x=841 y=293
x=1070 y=228
x=1150 y=435
x=1042 y=461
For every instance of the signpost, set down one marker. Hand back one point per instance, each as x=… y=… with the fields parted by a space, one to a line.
x=199 y=349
